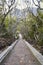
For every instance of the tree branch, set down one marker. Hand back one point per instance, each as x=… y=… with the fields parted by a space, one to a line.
x=37 y=5
x=10 y=9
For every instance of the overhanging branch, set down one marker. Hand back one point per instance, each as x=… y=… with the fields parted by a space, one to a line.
x=10 y=9
x=37 y=5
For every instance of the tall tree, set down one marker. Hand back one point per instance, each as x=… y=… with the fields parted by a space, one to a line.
x=7 y=7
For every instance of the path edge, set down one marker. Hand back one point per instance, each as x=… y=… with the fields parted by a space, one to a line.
x=37 y=55
x=7 y=51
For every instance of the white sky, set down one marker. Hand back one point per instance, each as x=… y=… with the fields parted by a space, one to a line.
x=21 y=4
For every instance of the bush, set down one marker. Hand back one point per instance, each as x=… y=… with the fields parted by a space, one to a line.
x=40 y=42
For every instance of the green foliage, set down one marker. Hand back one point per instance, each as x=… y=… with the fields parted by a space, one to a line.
x=32 y=28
